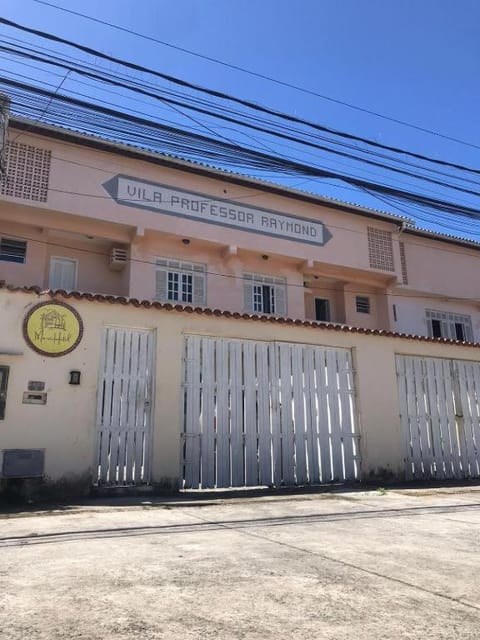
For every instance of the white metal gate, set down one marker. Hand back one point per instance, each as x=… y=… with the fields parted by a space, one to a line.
x=258 y=413
x=124 y=406
x=440 y=416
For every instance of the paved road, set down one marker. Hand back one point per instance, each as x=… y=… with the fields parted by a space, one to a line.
x=351 y=565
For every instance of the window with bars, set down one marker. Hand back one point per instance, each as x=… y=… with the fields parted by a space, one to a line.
x=264 y=294
x=27 y=172
x=177 y=281
x=13 y=250
x=441 y=324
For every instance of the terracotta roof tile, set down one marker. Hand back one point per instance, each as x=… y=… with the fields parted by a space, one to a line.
x=168 y=306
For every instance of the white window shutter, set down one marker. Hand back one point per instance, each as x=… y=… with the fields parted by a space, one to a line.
x=447 y=331
x=199 y=289
x=55 y=275
x=248 y=296
x=468 y=331
x=63 y=274
x=280 y=300
x=161 y=284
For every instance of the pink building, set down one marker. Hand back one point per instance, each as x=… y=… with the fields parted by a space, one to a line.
x=80 y=213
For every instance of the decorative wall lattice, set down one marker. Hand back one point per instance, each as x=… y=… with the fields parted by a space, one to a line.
x=380 y=249
x=403 y=262
x=27 y=172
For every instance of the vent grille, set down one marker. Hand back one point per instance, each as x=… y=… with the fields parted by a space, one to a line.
x=380 y=249
x=118 y=258
x=28 y=172
x=362 y=304
x=403 y=263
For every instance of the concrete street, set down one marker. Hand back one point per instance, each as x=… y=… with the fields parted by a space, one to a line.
x=359 y=565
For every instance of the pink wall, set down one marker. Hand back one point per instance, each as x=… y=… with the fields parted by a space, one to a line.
x=439 y=267
x=32 y=272
x=79 y=205
x=93 y=273
x=78 y=170
x=224 y=272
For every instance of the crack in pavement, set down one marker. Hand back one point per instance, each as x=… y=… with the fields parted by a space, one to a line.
x=344 y=563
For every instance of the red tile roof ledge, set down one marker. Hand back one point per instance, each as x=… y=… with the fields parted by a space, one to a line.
x=168 y=306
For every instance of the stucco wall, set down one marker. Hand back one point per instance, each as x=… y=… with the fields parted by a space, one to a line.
x=411 y=316
x=32 y=272
x=76 y=188
x=65 y=426
x=92 y=258
x=440 y=267
x=79 y=204
x=225 y=272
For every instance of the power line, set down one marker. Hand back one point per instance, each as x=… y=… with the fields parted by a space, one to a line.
x=355 y=158
x=443 y=184
x=437 y=221
x=30 y=99
x=236 y=198
x=28 y=49
x=43 y=113
x=224 y=96
x=250 y=196
x=267 y=131
x=258 y=75
x=237 y=154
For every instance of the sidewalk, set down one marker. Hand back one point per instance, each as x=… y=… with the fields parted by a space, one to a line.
x=404 y=563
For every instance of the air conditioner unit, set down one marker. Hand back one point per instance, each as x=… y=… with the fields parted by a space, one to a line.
x=118 y=258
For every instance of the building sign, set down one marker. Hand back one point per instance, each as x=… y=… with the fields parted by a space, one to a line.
x=132 y=192
x=52 y=328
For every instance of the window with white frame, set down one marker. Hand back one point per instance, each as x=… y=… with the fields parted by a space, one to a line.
x=178 y=281
x=13 y=250
x=265 y=294
x=63 y=273
x=441 y=324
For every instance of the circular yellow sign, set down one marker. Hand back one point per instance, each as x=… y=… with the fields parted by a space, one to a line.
x=53 y=328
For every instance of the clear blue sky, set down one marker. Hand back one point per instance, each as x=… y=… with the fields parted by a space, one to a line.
x=414 y=60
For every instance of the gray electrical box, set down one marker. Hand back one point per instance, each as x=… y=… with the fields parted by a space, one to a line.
x=23 y=463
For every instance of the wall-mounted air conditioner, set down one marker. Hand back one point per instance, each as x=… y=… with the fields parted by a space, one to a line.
x=118 y=258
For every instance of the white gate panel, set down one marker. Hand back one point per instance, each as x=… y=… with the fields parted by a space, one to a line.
x=440 y=416
x=258 y=413
x=124 y=407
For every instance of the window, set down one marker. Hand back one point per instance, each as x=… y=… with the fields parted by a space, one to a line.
x=177 y=281
x=13 y=250
x=362 y=304
x=441 y=324
x=322 y=310
x=264 y=294
x=63 y=274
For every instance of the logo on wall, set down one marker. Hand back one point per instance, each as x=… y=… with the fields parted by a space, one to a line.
x=53 y=328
